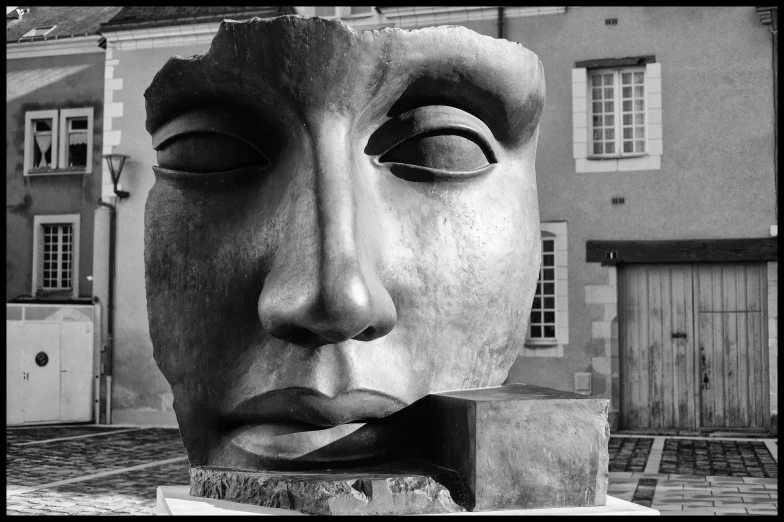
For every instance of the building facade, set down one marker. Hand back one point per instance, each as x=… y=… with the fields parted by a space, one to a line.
x=54 y=132
x=656 y=172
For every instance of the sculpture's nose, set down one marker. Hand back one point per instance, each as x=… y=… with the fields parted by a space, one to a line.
x=324 y=287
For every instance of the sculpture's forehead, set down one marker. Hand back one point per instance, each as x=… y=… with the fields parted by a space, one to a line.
x=319 y=64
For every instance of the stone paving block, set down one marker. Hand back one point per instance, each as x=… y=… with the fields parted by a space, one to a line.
x=762 y=511
x=719 y=479
x=674 y=508
x=747 y=503
x=622 y=486
x=681 y=501
x=759 y=500
x=753 y=480
x=719 y=510
x=688 y=478
x=756 y=488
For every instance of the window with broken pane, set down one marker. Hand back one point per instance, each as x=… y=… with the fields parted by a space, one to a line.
x=42 y=143
x=76 y=142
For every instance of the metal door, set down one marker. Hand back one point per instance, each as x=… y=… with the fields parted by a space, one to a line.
x=41 y=372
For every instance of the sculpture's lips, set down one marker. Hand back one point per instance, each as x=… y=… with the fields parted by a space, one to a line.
x=313 y=407
x=287 y=445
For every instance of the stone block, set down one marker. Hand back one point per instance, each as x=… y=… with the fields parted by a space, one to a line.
x=411 y=487
x=520 y=446
x=601 y=294
x=601 y=330
x=601 y=365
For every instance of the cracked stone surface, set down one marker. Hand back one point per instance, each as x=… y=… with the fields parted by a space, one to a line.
x=386 y=490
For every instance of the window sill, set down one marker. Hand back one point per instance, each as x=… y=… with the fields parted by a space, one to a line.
x=613 y=158
x=55 y=172
x=541 y=343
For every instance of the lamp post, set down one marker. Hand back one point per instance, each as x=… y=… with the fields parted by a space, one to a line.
x=116 y=162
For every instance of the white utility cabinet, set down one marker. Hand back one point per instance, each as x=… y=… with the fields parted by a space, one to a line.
x=50 y=363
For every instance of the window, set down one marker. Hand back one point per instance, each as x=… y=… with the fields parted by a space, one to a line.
x=548 y=328
x=617 y=114
x=39 y=31
x=326 y=11
x=542 y=324
x=360 y=12
x=75 y=146
x=56 y=255
x=58 y=142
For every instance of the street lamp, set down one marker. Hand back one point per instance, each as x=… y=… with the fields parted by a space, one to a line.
x=116 y=162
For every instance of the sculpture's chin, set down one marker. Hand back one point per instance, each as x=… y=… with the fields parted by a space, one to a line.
x=293 y=445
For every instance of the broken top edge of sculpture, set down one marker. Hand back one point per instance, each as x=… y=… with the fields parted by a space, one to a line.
x=302 y=19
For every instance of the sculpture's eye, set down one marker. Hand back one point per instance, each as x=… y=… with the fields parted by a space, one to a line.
x=442 y=149
x=208 y=152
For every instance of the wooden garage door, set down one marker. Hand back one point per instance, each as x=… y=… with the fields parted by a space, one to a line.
x=691 y=346
x=730 y=334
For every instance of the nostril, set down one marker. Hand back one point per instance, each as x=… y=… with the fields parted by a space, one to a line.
x=369 y=332
x=300 y=336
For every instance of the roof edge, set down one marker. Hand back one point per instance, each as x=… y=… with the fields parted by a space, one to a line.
x=83 y=44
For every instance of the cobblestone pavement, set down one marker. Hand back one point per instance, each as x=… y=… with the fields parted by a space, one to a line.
x=720 y=457
x=115 y=471
x=629 y=453
x=103 y=458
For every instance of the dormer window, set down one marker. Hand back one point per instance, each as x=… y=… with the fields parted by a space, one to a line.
x=39 y=31
x=326 y=11
x=360 y=12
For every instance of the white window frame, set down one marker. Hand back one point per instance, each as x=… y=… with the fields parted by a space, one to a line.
x=57 y=219
x=553 y=347
x=30 y=131
x=59 y=138
x=358 y=15
x=581 y=126
x=335 y=13
x=39 y=31
x=617 y=113
x=65 y=114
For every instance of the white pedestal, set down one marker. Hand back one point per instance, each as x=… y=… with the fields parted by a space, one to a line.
x=175 y=500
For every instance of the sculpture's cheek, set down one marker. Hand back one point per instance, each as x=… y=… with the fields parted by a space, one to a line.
x=461 y=263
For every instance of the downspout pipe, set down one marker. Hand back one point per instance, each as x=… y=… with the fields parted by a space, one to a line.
x=110 y=310
x=774 y=31
x=769 y=16
x=500 y=23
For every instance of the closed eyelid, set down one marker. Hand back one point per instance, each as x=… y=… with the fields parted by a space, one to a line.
x=203 y=121
x=427 y=119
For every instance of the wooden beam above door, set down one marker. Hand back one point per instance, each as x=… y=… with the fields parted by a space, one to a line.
x=608 y=252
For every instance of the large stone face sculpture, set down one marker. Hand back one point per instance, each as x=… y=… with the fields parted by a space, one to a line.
x=342 y=223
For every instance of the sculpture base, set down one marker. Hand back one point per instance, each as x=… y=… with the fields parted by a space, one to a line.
x=400 y=488
x=176 y=500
